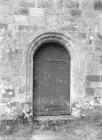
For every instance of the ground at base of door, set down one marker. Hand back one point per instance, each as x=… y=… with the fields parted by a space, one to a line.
x=86 y=128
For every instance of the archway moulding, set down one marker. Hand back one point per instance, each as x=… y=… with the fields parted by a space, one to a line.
x=44 y=37
x=62 y=37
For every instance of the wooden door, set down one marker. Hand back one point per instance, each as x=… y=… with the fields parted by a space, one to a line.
x=51 y=80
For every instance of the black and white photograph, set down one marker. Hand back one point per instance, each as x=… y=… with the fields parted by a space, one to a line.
x=50 y=69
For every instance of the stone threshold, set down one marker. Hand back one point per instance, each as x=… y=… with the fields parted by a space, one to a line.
x=60 y=117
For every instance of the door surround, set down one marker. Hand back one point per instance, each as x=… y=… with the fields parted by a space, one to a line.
x=56 y=37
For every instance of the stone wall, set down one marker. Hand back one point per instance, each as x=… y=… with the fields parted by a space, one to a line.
x=22 y=20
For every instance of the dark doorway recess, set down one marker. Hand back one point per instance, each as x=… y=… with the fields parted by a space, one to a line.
x=51 y=80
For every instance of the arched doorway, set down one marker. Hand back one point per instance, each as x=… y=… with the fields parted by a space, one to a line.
x=51 y=79
x=66 y=43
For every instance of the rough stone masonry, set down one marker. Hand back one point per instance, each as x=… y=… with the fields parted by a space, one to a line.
x=21 y=21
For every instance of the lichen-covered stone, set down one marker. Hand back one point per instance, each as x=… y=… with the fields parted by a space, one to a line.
x=83 y=109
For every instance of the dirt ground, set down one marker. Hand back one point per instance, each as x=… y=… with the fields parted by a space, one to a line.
x=85 y=128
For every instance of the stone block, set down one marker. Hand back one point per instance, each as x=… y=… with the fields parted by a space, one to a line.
x=27 y=28
x=89 y=91
x=98 y=44
x=52 y=19
x=69 y=3
x=30 y=3
x=7 y=79
x=36 y=11
x=39 y=3
x=22 y=89
x=101 y=78
x=10 y=19
x=98 y=5
x=3 y=18
x=100 y=60
x=76 y=12
x=82 y=35
x=36 y=20
x=93 y=78
x=69 y=28
x=21 y=19
x=5 y=9
x=99 y=36
x=21 y=11
x=86 y=5
x=3 y=26
x=98 y=92
x=96 y=84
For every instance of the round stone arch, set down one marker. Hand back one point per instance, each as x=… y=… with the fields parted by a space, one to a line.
x=56 y=37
